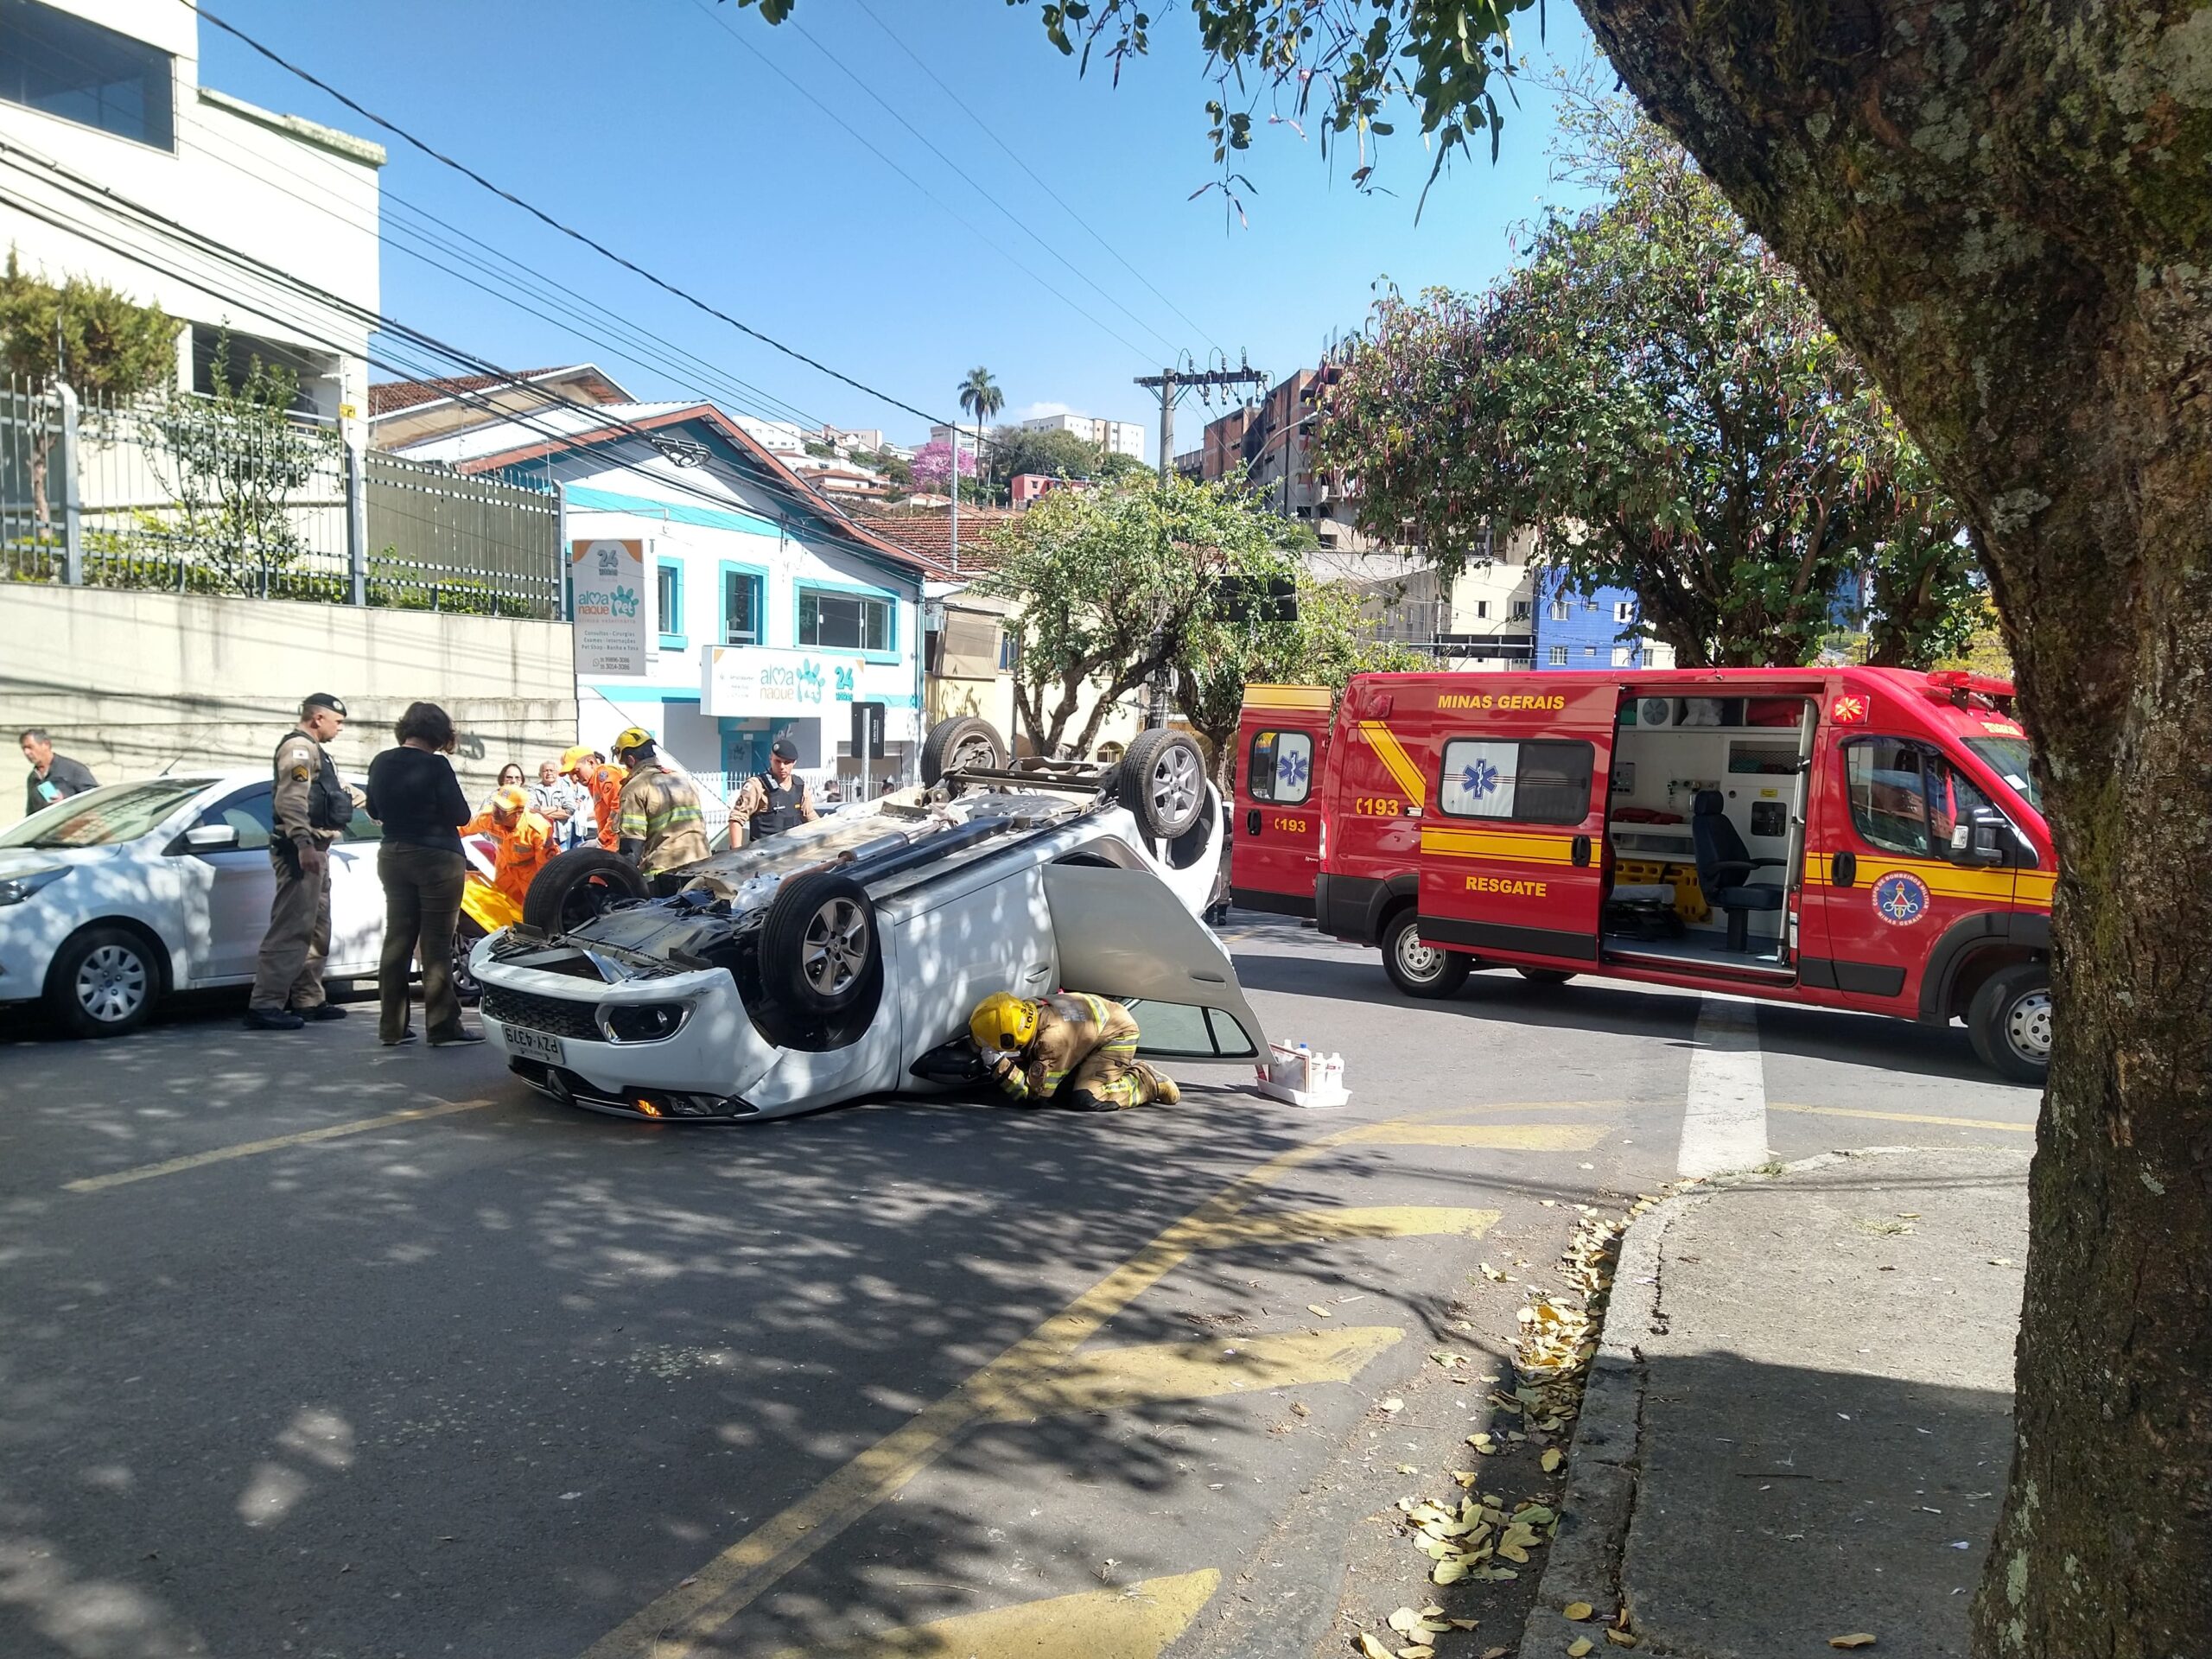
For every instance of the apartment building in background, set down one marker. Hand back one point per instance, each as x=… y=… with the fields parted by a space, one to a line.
x=1108 y=437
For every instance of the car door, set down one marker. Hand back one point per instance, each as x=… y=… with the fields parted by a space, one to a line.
x=227 y=891
x=356 y=896
x=1123 y=933
x=1284 y=745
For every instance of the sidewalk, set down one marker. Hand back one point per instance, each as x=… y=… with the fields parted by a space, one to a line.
x=1799 y=1426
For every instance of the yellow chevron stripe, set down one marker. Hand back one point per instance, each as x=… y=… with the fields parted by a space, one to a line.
x=1289 y=696
x=1452 y=841
x=1393 y=755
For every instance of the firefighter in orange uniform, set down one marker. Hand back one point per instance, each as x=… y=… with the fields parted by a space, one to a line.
x=525 y=841
x=603 y=781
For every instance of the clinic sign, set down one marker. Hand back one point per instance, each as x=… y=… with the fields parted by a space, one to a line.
x=611 y=607
x=742 y=681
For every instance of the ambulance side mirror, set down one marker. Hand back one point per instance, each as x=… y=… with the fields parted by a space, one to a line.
x=1985 y=843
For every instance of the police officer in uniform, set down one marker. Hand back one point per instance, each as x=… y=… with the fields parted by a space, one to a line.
x=777 y=799
x=661 y=825
x=310 y=808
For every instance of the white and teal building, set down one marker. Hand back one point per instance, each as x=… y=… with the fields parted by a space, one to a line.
x=772 y=613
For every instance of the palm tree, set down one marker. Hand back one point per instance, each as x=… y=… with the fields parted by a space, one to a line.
x=980 y=397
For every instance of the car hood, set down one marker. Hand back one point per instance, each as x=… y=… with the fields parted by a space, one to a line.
x=22 y=860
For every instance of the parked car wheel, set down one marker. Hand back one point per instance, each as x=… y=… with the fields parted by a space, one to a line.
x=1163 y=782
x=964 y=740
x=576 y=886
x=819 y=953
x=466 y=934
x=2009 y=1021
x=1545 y=976
x=1420 y=970
x=104 y=982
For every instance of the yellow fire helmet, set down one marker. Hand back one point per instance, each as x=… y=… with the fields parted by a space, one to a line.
x=1003 y=1023
x=636 y=738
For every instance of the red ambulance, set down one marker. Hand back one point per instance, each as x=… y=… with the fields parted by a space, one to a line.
x=1852 y=838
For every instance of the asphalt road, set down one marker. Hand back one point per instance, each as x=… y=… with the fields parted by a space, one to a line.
x=307 y=1347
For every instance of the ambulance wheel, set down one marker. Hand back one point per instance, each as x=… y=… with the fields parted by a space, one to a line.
x=576 y=886
x=1545 y=976
x=2009 y=1021
x=819 y=954
x=1163 y=782
x=1420 y=970
x=953 y=745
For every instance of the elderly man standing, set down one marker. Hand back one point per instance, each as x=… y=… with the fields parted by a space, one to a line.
x=560 y=802
x=311 y=809
x=53 y=776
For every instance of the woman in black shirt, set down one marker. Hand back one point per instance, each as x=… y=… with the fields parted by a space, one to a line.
x=415 y=796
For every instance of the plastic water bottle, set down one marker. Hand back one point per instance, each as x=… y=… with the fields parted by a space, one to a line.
x=1333 y=1074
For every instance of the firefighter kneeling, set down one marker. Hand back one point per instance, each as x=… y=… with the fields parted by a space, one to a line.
x=1074 y=1049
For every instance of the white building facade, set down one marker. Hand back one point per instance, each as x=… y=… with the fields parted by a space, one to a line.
x=102 y=112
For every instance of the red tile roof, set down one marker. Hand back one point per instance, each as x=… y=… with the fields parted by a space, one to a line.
x=390 y=397
x=928 y=531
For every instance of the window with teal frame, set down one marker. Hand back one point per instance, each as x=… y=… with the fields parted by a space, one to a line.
x=668 y=596
x=741 y=599
x=832 y=621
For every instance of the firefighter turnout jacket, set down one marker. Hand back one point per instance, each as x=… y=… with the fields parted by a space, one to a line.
x=1083 y=1055
x=661 y=810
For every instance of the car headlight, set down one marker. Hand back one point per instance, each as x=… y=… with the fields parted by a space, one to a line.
x=643 y=1022
x=14 y=889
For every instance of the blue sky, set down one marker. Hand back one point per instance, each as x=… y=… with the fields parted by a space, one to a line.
x=662 y=129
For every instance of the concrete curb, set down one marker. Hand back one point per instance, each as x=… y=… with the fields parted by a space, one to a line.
x=1606 y=1457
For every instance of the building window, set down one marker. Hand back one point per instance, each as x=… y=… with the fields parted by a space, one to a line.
x=1482 y=607
x=1624 y=610
x=1529 y=783
x=741 y=608
x=1279 y=767
x=1561 y=610
x=1591 y=606
x=832 y=621
x=1520 y=610
x=1009 y=651
x=1558 y=657
x=1623 y=657
x=668 y=596
x=64 y=66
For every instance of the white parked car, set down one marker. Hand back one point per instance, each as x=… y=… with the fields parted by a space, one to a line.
x=843 y=958
x=113 y=899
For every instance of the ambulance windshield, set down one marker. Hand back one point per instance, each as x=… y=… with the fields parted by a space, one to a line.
x=2008 y=758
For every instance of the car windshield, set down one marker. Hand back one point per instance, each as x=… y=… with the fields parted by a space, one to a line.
x=100 y=816
x=2008 y=758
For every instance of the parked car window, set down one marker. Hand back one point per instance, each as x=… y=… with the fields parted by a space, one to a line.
x=1886 y=780
x=249 y=814
x=1282 y=767
x=362 y=828
x=100 y=816
x=1528 y=783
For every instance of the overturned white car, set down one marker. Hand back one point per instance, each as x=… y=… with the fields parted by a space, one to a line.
x=842 y=959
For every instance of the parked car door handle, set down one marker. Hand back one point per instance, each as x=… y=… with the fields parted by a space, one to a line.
x=1843 y=869
x=1252 y=821
x=1582 y=852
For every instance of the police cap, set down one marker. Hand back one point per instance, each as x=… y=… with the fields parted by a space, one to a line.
x=784 y=749
x=315 y=700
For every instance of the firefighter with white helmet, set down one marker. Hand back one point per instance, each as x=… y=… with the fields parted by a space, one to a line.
x=1073 y=1049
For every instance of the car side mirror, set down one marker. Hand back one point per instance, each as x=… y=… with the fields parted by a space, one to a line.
x=210 y=837
x=1987 y=844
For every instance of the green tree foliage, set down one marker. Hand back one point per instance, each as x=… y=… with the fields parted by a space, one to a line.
x=1011 y=451
x=1115 y=466
x=100 y=343
x=1655 y=394
x=980 y=396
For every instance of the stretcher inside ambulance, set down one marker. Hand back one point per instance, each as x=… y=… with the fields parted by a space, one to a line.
x=1852 y=838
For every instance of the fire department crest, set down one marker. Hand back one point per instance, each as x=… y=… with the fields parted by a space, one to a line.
x=1900 y=900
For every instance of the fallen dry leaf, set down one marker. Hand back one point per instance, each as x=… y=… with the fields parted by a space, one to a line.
x=1579 y=1647
x=1409 y=1469
x=1551 y=1459
x=1622 y=1638
x=1856 y=1639
x=1392 y=1404
x=1370 y=1648
x=1496 y=1653
x=1578 y=1611
x=1419 y=1650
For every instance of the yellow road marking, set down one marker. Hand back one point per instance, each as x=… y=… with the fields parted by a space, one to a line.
x=1107 y=1379
x=1135 y=1623
x=1909 y=1117
x=1351 y=1221
x=671 y=1625
x=248 y=1149
x=1502 y=1137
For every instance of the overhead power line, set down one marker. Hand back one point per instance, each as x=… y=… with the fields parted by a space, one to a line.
x=568 y=230
x=1015 y=155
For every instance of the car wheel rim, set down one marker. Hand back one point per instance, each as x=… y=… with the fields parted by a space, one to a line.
x=113 y=983
x=1418 y=960
x=974 y=752
x=1175 y=784
x=834 y=951
x=2027 y=1027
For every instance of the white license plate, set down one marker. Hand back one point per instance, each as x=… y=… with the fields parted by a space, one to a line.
x=536 y=1046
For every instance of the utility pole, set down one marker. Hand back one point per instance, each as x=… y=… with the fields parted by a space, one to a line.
x=1171 y=383
x=954 y=485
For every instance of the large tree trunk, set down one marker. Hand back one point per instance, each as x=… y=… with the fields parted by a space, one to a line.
x=2004 y=207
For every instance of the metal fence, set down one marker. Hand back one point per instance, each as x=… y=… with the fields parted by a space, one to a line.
x=192 y=494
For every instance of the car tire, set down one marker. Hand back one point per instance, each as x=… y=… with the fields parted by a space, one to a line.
x=104 y=982
x=466 y=934
x=1545 y=976
x=820 y=954
x=576 y=886
x=1420 y=970
x=2009 y=1021
x=1163 y=782
x=965 y=741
